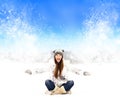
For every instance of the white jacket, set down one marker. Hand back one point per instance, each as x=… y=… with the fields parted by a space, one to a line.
x=49 y=68
x=60 y=80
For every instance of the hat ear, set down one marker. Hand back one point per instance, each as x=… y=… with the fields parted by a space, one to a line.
x=53 y=51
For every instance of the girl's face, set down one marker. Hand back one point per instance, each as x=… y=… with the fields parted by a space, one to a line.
x=58 y=57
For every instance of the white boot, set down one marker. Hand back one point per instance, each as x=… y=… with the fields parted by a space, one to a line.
x=52 y=91
x=60 y=90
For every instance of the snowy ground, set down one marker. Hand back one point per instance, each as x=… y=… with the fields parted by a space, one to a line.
x=101 y=88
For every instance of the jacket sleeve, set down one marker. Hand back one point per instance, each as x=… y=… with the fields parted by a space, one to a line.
x=74 y=69
x=37 y=68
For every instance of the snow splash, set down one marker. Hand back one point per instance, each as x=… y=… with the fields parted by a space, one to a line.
x=97 y=41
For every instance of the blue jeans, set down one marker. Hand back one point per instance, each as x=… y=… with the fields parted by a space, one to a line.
x=51 y=85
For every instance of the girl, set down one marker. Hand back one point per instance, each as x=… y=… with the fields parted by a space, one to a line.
x=59 y=84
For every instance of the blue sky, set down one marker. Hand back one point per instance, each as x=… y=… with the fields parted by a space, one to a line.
x=64 y=21
x=56 y=14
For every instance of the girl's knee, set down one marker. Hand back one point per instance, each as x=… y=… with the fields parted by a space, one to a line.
x=71 y=82
x=48 y=82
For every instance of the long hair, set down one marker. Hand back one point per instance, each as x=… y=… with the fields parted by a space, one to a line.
x=58 y=68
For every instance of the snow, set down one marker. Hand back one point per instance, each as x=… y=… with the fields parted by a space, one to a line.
x=18 y=88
